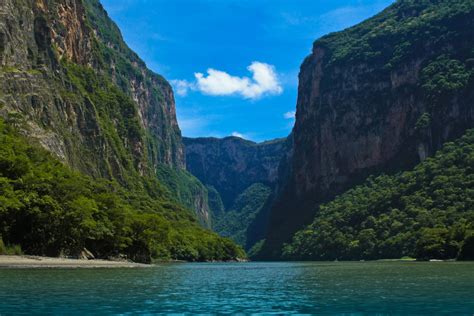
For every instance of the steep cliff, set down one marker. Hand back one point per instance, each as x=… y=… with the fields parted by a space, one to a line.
x=58 y=58
x=380 y=96
x=85 y=95
x=187 y=190
x=240 y=176
x=69 y=82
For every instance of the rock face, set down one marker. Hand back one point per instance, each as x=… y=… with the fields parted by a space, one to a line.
x=239 y=175
x=378 y=97
x=86 y=97
x=46 y=47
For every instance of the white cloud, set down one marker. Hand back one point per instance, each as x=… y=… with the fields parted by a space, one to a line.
x=289 y=115
x=264 y=81
x=237 y=134
x=182 y=86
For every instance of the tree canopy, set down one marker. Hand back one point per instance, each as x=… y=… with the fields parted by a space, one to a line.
x=49 y=209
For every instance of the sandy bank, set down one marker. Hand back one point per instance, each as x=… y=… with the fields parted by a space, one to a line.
x=45 y=262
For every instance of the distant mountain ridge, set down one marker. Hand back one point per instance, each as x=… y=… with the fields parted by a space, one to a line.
x=235 y=169
x=232 y=164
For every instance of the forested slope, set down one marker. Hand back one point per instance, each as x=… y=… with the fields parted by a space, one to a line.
x=49 y=209
x=426 y=213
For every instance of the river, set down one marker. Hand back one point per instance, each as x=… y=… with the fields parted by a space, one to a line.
x=255 y=287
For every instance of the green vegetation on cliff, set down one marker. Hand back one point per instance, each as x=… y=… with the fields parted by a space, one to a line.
x=399 y=33
x=234 y=222
x=49 y=209
x=117 y=124
x=129 y=72
x=187 y=190
x=425 y=213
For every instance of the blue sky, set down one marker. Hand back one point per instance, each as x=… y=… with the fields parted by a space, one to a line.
x=233 y=63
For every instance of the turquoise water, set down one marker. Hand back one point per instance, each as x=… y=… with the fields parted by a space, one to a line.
x=339 y=287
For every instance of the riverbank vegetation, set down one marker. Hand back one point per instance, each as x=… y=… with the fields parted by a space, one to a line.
x=424 y=213
x=48 y=209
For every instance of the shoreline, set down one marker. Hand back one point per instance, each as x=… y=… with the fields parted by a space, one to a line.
x=28 y=262
x=49 y=262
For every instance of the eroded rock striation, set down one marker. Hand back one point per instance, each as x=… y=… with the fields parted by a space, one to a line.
x=40 y=42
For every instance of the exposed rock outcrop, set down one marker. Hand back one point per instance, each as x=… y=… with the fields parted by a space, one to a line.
x=39 y=41
x=67 y=75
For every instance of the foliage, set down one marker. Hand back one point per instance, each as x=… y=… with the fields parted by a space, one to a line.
x=467 y=249
x=256 y=249
x=185 y=188
x=424 y=213
x=108 y=31
x=234 y=222
x=400 y=32
x=117 y=115
x=14 y=250
x=444 y=76
x=423 y=122
x=115 y=61
x=216 y=206
x=49 y=209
